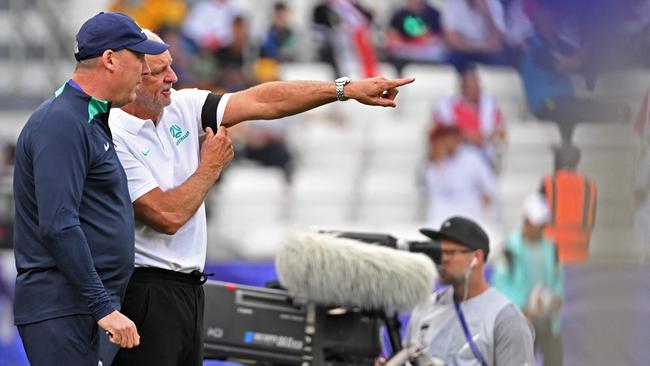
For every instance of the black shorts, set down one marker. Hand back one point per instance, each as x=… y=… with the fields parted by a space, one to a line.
x=167 y=308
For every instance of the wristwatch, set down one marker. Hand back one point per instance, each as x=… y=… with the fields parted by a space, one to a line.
x=340 y=84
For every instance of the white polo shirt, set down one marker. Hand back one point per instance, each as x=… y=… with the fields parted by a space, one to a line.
x=459 y=16
x=165 y=156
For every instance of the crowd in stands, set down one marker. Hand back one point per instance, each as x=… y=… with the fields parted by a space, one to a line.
x=349 y=36
x=547 y=41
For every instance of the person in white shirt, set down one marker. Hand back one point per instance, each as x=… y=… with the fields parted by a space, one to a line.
x=209 y=23
x=457 y=179
x=169 y=173
x=476 y=114
x=474 y=31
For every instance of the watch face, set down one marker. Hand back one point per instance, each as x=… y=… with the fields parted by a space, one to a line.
x=342 y=80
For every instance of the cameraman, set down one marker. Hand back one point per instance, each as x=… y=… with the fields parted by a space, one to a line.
x=469 y=322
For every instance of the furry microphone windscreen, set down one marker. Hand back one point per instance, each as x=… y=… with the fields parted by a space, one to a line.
x=335 y=271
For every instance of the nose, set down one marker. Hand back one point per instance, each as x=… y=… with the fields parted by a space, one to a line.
x=170 y=76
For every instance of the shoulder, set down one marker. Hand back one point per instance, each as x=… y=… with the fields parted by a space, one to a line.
x=511 y=323
x=55 y=117
x=187 y=101
x=512 y=328
x=514 y=338
x=510 y=313
x=189 y=95
x=118 y=120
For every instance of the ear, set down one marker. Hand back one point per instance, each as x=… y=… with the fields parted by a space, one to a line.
x=480 y=254
x=473 y=263
x=108 y=59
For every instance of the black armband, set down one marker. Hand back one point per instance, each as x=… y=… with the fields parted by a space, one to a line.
x=209 y=112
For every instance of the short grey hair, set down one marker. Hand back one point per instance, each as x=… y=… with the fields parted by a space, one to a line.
x=87 y=63
x=151 y=35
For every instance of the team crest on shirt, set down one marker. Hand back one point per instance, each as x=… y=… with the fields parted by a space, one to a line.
x=177 y=133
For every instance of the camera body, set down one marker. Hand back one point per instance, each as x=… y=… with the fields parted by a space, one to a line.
x=267 y=326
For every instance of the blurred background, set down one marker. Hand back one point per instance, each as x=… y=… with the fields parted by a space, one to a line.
x=507 y=92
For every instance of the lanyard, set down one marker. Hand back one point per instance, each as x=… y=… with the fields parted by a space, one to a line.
x=468 y=336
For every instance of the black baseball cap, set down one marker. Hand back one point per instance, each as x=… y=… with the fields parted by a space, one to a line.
x=113 y=31
x=462 y=231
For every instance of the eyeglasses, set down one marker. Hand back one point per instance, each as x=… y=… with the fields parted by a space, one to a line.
x=452 y=252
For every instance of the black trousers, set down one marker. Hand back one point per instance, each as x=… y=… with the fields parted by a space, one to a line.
x=167 y=308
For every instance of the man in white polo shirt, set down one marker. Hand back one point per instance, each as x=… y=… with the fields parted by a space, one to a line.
x=169 y=174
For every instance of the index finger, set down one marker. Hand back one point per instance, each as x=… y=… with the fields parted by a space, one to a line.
x=394 y=83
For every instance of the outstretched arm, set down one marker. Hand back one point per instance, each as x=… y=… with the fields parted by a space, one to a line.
x=285 y=98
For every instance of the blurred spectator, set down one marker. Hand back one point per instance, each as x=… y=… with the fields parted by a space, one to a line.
x=533 y=279
x=610 y=34
x=7 y=157
x=152 y=14
x=343 y=31
x=280 y=41
x=641 y=181
x=518 y=26
x=266 y=144
x=474 y=31
x=232 y=59
x=415 y=35
x=545 y=64
x=457 y=181
x=233 y=54
x=636 y=25
x=571 y=198
x=209 y=23
x=324 y=19
x=475 y=114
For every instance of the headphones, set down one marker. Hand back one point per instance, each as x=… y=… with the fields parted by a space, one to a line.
x=473 y=263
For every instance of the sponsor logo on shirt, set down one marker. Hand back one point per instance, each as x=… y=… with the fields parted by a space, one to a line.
x=146 y=152
x=177 y=133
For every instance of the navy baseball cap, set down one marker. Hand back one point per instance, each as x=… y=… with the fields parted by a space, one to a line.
x=462 y=231
x=113 y=31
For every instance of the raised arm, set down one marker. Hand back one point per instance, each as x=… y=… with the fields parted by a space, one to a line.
x=167 y=211
x=285 y=98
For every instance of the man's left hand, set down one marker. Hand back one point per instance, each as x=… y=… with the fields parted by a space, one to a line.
x=377 y=91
